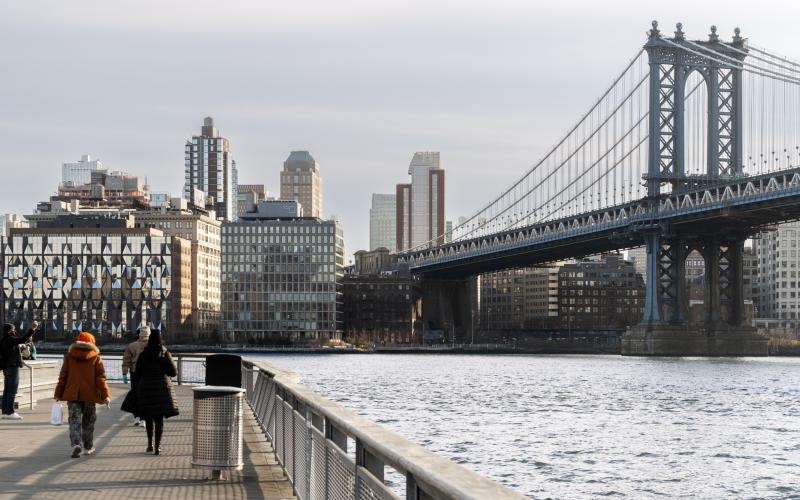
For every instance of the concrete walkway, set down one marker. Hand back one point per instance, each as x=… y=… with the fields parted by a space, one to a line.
x=35 y=459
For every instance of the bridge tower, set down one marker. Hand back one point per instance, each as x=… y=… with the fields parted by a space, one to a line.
x=665 y=327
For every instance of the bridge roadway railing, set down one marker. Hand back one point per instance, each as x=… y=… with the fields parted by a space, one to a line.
x=725 y=193
x=329 y=452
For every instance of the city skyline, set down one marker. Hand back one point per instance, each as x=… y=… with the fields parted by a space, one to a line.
x=485 y=101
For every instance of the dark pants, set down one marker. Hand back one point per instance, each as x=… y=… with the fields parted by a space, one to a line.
x=154 y=424
x=82 y=416
x=10 y=385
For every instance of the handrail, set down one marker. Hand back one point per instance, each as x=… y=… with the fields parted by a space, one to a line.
x=428 y=475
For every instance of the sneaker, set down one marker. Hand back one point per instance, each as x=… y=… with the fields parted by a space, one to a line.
x=13 y=416
x=76 y=451
x=89 y=451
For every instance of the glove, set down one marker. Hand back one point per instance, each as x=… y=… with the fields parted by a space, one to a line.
x=124 y=378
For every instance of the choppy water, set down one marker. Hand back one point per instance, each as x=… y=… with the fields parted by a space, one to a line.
x=585 y=426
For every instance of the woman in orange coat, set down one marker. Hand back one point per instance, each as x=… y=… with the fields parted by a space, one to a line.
x=82 y=383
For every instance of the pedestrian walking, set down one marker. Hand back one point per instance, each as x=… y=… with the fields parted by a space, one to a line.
x=11 y=360
x=155 y=399
x=82 y=384
x=129 y=358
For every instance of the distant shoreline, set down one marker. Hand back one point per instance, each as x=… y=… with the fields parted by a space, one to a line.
x=51 y=348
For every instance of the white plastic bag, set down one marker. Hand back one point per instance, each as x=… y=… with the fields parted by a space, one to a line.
x=57 y=414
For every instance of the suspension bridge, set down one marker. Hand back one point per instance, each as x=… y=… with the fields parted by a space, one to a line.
x=695 y=146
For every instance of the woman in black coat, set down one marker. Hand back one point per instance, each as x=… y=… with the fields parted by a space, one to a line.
x=155 y=399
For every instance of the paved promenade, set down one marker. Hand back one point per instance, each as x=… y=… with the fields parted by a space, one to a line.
x=35 y=459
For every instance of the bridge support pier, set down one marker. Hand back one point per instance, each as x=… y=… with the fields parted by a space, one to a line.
x=666 y=330
x=447 y=306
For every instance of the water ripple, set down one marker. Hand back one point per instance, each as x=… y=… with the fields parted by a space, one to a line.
x=585 y=426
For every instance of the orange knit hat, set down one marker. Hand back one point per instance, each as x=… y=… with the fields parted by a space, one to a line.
x=86 y=337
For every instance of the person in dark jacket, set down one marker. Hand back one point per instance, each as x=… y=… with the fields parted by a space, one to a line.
x=155 y=399
x=9 y=347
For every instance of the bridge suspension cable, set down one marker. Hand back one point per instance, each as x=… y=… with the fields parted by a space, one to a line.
x=565 y=170
x=601 y=160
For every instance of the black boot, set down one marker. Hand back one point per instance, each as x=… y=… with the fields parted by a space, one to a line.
x=149 y=426
x=159 y=429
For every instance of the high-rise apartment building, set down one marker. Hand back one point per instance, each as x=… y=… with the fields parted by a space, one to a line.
x=420 y=204
x=383 y=222
x=210 y=172
x=80 y=172
x=301 y=180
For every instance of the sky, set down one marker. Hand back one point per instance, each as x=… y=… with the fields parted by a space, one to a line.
x=361 y=84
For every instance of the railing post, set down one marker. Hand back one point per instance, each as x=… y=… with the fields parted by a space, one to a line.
x=180 y=369
x=30 y=389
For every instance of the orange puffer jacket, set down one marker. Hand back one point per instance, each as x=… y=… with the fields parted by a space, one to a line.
x=83 y=376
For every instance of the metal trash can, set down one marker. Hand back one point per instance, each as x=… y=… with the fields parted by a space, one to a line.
x=217 y=428
x=224 y=369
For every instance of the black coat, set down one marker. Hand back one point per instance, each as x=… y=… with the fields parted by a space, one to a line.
x=155 y=396
x=9 y=346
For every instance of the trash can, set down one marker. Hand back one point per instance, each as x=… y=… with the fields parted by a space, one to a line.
x=217 y=428
x=224 y=369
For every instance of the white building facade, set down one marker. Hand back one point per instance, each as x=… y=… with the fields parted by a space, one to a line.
x=80 y=172
x=776 y=284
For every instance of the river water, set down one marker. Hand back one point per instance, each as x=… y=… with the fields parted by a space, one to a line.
x=585 y=426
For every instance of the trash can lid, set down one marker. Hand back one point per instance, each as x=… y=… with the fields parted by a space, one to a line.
x=218 y=388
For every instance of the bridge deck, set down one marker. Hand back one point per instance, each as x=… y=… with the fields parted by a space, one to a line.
x=35 y=461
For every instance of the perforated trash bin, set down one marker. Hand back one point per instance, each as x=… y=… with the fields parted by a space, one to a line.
x=217 y=429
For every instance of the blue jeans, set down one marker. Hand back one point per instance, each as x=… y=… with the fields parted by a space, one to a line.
x=10 y=385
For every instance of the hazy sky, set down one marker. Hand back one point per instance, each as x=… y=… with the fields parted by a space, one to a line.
x=360 y=84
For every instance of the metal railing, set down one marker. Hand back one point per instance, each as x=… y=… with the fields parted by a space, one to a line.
x=191 y=368
x=329 y=452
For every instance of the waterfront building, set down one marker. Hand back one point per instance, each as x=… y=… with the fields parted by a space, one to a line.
x=281 y=279
x=519 y=299
x=301 y=181
x=420 y=204
x=98 y=274
x=248 y=196
x=209 y=172
x=80 y=172
x=448 y=231
x=202 y=234
x=382 y=308
x=638 y=257
x=778 y=294
x=750 y=276
x=11 y=221
x=607 y=294
x=383 y=222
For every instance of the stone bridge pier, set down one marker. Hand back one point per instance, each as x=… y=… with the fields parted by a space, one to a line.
x=447 y=306
x=666 y=329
